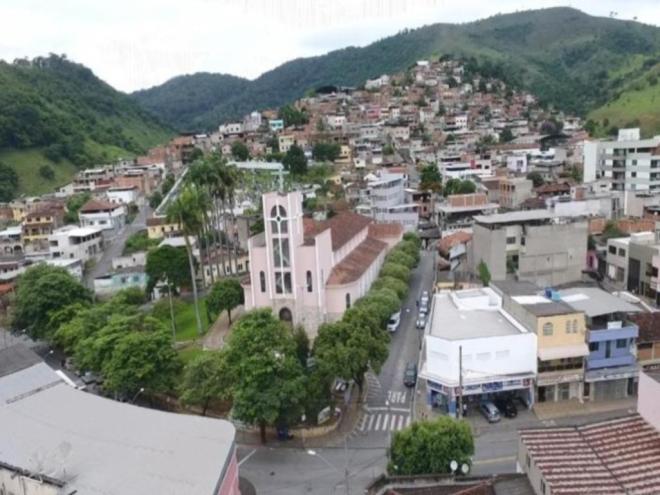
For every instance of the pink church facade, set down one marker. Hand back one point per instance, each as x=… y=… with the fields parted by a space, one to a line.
x=310 y=272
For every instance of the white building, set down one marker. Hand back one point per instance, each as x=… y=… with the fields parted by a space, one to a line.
x=108 y=216
x=72 y=242
x=123 y=195
x=629 y=163
x=468 y=334
x=384 y=200
x=231 y=128
x=517 y=163
x=335 y=121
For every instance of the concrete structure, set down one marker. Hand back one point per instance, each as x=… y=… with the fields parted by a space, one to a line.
x=108 y=216
x=514 y=190
x=123 y=195
x=57 y=440
x=310 y=272
x=642 y=277
x=498 y=354
x=158 y=228
x=560 y=331
x=384 y=199
x=648 y=404
x=459 y=210
x=83 y=243
x=630 y=163
x=120 y=279
x=517 y=163
x=611 y=367
x=10 y=241
x=617 y=260
x=531 y=245
x=617 y=457
x=648 y=342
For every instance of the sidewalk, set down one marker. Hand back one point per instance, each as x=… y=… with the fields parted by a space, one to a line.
x=569 y=408
x=217 y=334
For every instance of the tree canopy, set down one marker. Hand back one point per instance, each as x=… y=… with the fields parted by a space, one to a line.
x=167 y=264
x=428 y=447
x=430 y=178
x=239 y=151
x=205 y=378
x=295 y=160
x=225 y=295
x=458 y=186
x=42 y=290
x=326 y=151
x=8 y=183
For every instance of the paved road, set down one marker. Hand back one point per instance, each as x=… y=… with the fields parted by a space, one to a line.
x=387 y=409
x=115 y=245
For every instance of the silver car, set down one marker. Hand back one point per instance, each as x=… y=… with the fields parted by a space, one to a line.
x=490 y=412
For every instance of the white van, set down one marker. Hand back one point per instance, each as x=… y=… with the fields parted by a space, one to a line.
x=394 y=321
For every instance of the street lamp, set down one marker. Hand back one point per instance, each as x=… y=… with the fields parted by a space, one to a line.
x=136 y=395
x=314 y=453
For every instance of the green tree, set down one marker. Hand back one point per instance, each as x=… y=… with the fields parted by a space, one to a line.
x=402 y=258
x=205 y=378
x=611 y=231
x=168 y=264
x=326 y=151
x=387 y=282
x=268 y=381
x=391 y=269
x=430 y=178
x=428 y=447
x=506 y=136
x=73 y=205
x=155 y=200
x=458 y=186
x=46 y=172
x=239 y=151
x=292 y=116
x=142 y=359
x=536 y=178
x=484 y=273
x=42 y=290
x=186 y=210
x=8 y=183
x=225 y=295
x=295 y=160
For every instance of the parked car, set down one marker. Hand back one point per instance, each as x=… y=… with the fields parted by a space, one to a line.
x=506 y=406
x=410 y=375
x=423 y=310
x=421 y=321
x=490 y=412
x=394 y=321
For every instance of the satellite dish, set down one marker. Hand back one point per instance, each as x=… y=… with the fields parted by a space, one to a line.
x=465 y=468
x=453 y=465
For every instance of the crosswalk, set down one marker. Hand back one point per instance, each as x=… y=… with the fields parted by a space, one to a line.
x=374 y=388
x=383 y=421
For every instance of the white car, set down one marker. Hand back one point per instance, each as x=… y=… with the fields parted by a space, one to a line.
x=394 y=321
x=421 y=321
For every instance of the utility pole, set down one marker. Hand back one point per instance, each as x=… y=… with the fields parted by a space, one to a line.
x=460 y=382
x=346 y=465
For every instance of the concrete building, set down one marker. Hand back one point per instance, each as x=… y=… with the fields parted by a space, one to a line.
x=648 y=342
x=560 y=331
x=514 y=190
x=611 y=367
x=58 y=440
x=310 y=272
x=532 y=245
x=72 y=242
x=120 y=279
x=642 y=275
x=648 y=404
x=630 y=163
x=108 y=216
x=383 y=198
x=123 y=195
x=498 y=354
x=458 y=211
x=11 y=243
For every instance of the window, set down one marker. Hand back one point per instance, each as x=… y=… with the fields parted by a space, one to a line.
x=278 y=220
x=575 y=326
x=612 y=250
x=633 y=174
x=281 y=256
x=621 y=343
x=283 y=282
x=568 y=326
x=309 y=281
x=348 y=300
x=622 y=252
x=262 y=281
x=547 y=329
x=593 y=346
x=511 y=240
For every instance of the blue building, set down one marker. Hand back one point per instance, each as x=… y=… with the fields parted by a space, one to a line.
x=611 y=368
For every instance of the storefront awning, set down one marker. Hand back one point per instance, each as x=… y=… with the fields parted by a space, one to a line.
x=565 y=351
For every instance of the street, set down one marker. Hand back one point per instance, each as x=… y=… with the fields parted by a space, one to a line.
x=283 y=470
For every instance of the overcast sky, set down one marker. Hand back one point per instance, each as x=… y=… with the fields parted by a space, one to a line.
x=135 y=44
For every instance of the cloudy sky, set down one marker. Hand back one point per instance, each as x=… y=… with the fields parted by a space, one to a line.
x=135 y=44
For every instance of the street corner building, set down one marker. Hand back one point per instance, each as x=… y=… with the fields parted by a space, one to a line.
x=57 y=440
x=472 y=340
x=309 y=272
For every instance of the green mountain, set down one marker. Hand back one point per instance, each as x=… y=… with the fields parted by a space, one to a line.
x=564 y=56
x=57 y=115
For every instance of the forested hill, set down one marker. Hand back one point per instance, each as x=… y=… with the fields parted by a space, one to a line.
x=567 y=58
x=59 y=113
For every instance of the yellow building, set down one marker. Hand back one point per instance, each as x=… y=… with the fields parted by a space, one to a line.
x=159 y=228
x=561 y=338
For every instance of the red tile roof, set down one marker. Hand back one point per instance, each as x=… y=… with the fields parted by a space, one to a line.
x=357 y=262
x=448 y=242
x=96 y=205
x=385 y=230
x=617 y=456
x=343 y=227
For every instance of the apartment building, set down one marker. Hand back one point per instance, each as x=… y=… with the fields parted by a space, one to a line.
x=618 y=255
x=73 y=242
x=630 y=163
x=532 y=245
x=514 y=190
x=457 y=212
x=383 y=198
x=109 y=217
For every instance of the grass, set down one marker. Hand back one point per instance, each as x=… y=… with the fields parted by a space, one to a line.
x=184 y=316
x=139 y=242
x=27 y=163
x=633 y=105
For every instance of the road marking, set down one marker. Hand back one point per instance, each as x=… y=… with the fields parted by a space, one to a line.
x=408 y=421
x=389 y=409
x=371 y=421
x=393 y=422
x=246 y=457
x=401 y=421
x=377 y=425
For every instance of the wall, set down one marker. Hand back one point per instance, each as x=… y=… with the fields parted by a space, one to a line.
x=489 y=246
x=13 y=484
x=229 y=485
x=553 y=254
x=560 y=337
x=648 y=402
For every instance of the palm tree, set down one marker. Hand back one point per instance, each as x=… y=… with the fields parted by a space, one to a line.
x=186 y=210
